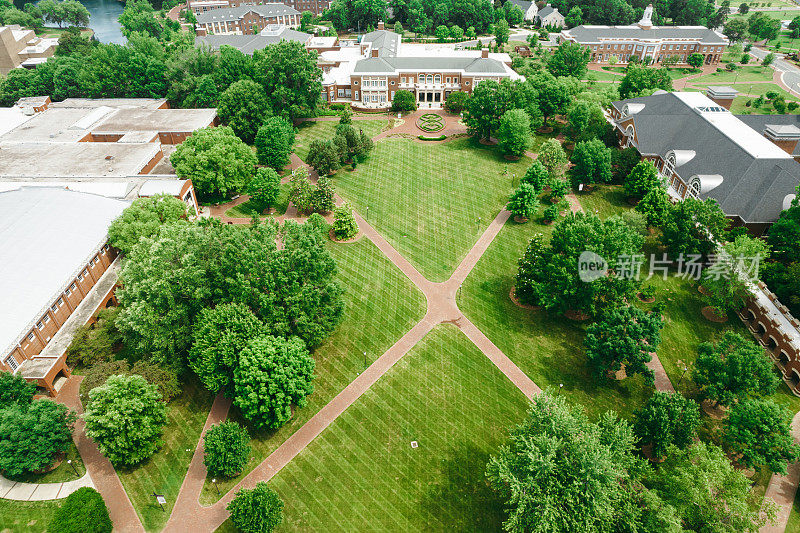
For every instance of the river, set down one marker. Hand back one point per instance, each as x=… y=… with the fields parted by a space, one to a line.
x=103 y=20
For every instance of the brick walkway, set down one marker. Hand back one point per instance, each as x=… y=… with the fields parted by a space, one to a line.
x=782 y=489
x=103 y=475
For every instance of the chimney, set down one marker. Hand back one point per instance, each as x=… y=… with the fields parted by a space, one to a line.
x=380 y=25
x=484 y=53
x=785 y=136
x=722 y=95
x=374 y=52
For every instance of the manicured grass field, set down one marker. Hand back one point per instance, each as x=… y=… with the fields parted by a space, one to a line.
x=793 y=526
x=381 y=305
x=776 y=14
x=595 y=75
x=325 y=129
x=744 y=74
x=604 y=200
x=163 y=473
x=431 y=202
x=362 y=474
x=62 y=473
x=247 y=209
x=26 y=517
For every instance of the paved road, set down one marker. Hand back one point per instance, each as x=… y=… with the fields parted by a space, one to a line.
x=790 y=74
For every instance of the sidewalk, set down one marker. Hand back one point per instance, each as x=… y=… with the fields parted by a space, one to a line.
x=36 y=492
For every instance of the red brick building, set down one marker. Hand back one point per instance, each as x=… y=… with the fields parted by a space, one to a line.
x=246 y=19
x=203 y=6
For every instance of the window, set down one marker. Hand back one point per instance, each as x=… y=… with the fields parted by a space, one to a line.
x=85 y=272
x=60 y=302
x=355 y=82
x=466 y=83
x=73 y=287
x=11 y=362
x=53 y=308
x=30 y=336
x=91 y=262
x=403 y=80
x=356 y=95
x=46 y=319
x=437 y=79
x=429 y=79
x=39 y=325
x=67 y=292
x=392 y=82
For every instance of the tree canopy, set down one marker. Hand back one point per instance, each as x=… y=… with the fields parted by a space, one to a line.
x=733 y=369
x=548 y=274
x=592 y=162
x=624 y=335
x=274 y=141
x=667 y=419
x=125 y=418
x=256 y=510
x=217 y=162
x=143 y=218
x=560 y=472
x=227 y=449
x=641 y=81
x=759 y=430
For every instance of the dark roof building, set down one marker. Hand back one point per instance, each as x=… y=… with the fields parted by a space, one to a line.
x=707 y=152
x=250 y=43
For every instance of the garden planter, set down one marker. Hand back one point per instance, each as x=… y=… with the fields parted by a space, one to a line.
x=710 y=314
x=520 y=220
x=513 y=295
x=645 y=300
x=354 y=238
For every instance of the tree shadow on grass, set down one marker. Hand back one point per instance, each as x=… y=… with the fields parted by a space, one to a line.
x=464 y=493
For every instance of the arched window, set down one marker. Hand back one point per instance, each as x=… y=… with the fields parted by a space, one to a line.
x=429 y=79
x=695 y=187
x=437 y=79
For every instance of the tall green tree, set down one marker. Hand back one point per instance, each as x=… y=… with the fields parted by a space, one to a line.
x=655 y=206
x=569 y=59
x=759 y=430
x=553 y=157
x=274 y=141
x=707 y=493
x=549 y=275
x=694 y=227
x=256 y=510
x=626 y=336
x=640 y=81
x=273 y=375
x=244 y=107
x=592 y=162
x=667 y=419
x=514 y=133
x=14 y=390
x=226 y=449
x=264 y=187
x=643 y=179
x=763 y=27
x=524 y=202
x=290 y=77
x=32 y=435
x=143 y=218
x=125 y=418
x=217 y=162
x=561 y=472
x=733 y=369
x=83 y=511
x=501 y=32
x=220 y=335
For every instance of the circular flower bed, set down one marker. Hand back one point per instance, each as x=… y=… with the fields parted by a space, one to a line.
x=430 y=123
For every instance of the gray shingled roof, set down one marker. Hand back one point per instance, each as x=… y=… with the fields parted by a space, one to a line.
x=392 y=64
x=593 y=34
x=387 y=42
x=546 y=10
x=752 y=188
x=524 y=5
x=250 y=43
x=235 y=13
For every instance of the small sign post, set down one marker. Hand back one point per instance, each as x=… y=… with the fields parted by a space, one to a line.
x=161 y=500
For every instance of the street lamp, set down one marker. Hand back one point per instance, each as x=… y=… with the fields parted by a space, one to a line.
x=214 y=481
x=69 y=462
x=365 y=360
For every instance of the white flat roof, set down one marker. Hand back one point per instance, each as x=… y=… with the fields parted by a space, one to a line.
x=46 y=236
x=109 y=189
x=729 y=124
x=11 y=117
x=153 y=187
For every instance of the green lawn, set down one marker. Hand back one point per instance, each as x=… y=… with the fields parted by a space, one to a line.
x=362 y=474
x=64 y=471
x=431 y=201
x=25 y=517
x=163 y=473
x=777 y=14
x=325 y=129
x=248 y=209
x=603 y=76
x=793 y=526
x=604 y=200
x=381 y=305
x=744 y=74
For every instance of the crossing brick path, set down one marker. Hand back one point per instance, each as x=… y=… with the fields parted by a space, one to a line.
x=782 y=489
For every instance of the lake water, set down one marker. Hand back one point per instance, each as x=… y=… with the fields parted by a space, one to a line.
x=103 y=20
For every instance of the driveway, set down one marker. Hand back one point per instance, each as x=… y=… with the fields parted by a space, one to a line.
x=790 y=74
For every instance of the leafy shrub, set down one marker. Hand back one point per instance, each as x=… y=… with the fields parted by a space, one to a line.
x=14 y=390
x=31 y=435
x=344 y=223
x=95 y=343
x=425 y=138
x=551 y=212
x=558 y=189
x=83 y=511
x=258 y=510
x=227 y=449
